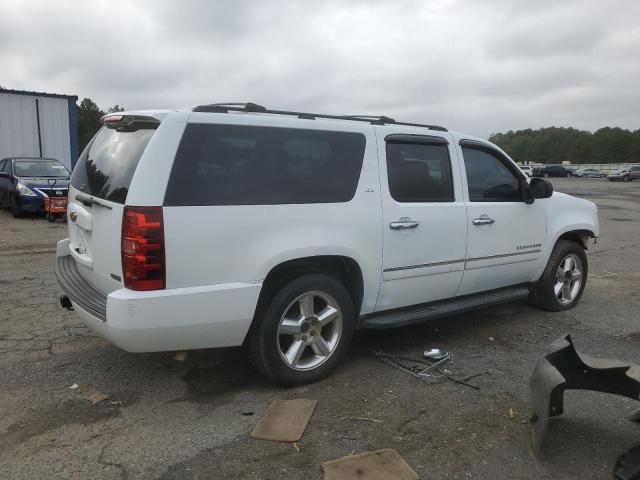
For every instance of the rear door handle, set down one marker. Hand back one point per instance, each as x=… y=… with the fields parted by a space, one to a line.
x=483 y=220
x=403 y=223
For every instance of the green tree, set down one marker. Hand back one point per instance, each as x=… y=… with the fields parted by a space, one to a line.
x=89 y=115
x=116 y=108
x=559 y=144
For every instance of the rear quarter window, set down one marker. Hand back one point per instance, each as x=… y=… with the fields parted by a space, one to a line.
x=248 y=165
x=107 y=164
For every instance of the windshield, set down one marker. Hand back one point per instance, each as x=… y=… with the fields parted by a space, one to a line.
x=40 y=168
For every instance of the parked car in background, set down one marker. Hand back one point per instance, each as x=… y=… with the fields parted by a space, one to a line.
x=231 y=225
x=528 y=171
x=26 y=182
x=552 y=171
x=589 y=173
x=625 y=175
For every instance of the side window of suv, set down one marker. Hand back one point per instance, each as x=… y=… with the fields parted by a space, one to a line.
x=419 y=172
x=250 y=165
x=3 y=164
x=489 y=176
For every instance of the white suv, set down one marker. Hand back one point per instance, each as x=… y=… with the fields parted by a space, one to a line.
x=284 y=232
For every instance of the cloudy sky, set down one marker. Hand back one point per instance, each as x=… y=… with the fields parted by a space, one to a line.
x=473 y=66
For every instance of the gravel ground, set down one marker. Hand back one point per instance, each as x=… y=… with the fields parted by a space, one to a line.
x=191 y=419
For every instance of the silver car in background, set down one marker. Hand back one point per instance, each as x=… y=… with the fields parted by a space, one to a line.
x=589 y=173
x=626 y=174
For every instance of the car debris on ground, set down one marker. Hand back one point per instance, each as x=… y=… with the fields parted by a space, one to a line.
x=562 y=368
x=285 y=420
x=382 y=464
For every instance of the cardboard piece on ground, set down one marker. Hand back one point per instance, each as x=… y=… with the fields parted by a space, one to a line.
x=285 y=420
x=385 y=464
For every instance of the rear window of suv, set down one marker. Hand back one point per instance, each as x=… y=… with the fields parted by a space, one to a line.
x=249 y=165
x=106 y=166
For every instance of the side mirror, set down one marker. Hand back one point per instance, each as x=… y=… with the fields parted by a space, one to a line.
x=540 y=188
x=525 y=191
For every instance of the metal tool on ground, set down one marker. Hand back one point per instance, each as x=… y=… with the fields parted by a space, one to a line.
x=562 y=368
x=435 y=354
x=441 y=358
x=416 y=368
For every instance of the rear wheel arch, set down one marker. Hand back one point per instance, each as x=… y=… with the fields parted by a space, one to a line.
x=342 y=268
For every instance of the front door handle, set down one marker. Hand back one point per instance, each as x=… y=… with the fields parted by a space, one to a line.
x=483 y=220
x=403 y=223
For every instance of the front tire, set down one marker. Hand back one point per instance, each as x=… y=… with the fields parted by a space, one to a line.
x=563 y=280
x=304 y=332
x=15 y=208
x=625 y=178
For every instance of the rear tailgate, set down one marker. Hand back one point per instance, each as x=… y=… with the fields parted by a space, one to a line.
x=98 y=190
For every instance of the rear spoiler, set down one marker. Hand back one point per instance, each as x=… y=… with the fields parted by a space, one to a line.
x=129 y=123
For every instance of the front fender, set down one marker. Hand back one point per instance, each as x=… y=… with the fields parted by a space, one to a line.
x=567 y=214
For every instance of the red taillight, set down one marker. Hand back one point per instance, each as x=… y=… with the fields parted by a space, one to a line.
x=143 y=248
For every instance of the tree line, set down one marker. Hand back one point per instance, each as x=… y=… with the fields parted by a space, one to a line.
x=559 y=144
x=89 y=115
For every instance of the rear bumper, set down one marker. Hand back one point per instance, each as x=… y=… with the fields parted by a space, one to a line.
x=81 y=292
x=161 y=320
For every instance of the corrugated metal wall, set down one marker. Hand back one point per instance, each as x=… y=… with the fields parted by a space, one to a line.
x=19 y=127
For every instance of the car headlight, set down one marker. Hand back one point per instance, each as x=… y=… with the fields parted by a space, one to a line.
x=24 y=190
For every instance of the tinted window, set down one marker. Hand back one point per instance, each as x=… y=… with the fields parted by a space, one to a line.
x=106 y=166
x=246 y=165
x=3 y=166
x=419 y=172
x=489 y=178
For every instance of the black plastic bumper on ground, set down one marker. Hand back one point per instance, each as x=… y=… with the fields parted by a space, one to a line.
x=563 y=368
x=81 y=292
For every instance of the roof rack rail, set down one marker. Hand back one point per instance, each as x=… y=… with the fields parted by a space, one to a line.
x=255 y=108
x=374 y=119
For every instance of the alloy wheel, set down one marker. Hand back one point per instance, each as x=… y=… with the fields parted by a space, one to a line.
x=568 y=279
x=309 y=330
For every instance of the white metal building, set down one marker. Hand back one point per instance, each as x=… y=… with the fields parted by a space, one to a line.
x=34 y=124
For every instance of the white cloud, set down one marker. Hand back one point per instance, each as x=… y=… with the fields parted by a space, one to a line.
x=473 y=66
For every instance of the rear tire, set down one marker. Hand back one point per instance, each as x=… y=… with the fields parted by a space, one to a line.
x=563 y=280
x=304 y=332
